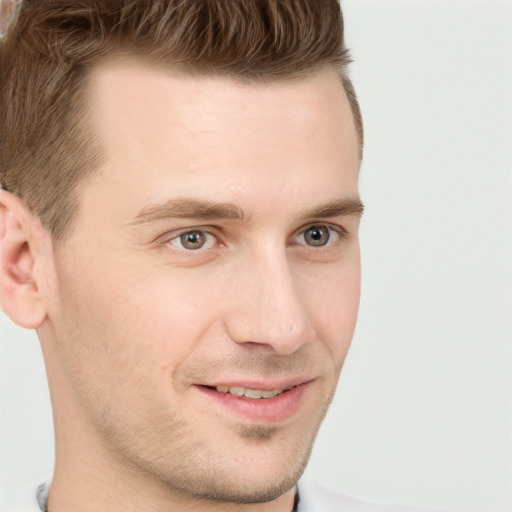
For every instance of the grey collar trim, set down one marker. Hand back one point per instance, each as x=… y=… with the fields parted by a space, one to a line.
x=42 y=497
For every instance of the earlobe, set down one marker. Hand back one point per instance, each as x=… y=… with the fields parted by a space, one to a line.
x=21 y=296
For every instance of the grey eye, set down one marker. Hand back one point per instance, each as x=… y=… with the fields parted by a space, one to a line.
x=192 y=240
x=317 y=236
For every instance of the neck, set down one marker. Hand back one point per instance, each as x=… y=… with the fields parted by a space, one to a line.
x=85 y=501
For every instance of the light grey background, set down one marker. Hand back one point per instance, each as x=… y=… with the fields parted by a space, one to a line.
x=424 y=410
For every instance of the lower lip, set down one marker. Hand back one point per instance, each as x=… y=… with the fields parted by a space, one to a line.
x=268 y=410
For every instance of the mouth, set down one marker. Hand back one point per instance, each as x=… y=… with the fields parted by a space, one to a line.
x=271 y=405
x=254 y=394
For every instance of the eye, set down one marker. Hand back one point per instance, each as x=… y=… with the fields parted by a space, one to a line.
x=318 y=235
x=193 y=240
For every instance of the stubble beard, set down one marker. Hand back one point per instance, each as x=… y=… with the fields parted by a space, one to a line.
x=194 y=473
x=204 y=480
x=209 y=484
x=192 y=470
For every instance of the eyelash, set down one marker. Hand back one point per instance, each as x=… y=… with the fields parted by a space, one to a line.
x=339 y=232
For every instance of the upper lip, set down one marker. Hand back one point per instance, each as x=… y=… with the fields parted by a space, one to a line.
x=268 y=384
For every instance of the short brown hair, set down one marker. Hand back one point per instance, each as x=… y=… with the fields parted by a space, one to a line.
x=46 y=58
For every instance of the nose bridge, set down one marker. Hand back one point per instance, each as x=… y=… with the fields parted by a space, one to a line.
x=269 y=310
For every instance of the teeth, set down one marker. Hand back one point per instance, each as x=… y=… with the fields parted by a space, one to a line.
x=270 y=394
x=253 y=393
x=249 y=393
x=236 y=391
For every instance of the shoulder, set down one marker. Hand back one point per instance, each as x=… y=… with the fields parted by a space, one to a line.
x=317 y=498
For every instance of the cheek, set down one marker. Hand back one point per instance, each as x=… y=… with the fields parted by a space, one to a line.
x=161 y=321
x=332 y=304
x=147 y=314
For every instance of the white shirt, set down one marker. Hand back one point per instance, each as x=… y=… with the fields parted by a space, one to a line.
x=313 y=497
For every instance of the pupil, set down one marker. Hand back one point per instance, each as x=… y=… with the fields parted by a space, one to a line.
x=317 y=236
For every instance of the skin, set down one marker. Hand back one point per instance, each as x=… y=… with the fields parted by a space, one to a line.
x=132 y=322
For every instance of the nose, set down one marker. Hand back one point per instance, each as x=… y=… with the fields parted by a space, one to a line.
x=266 y=307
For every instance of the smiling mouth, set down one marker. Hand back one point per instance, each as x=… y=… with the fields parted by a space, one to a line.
x=277 y=403
x=255 y=394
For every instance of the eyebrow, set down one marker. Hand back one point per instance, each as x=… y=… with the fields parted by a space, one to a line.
x=188 y=208
x=337 y=208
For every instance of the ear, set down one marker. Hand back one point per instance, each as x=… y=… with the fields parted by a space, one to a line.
x=22 y=242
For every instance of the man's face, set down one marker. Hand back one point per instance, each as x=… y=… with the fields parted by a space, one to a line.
x=215 y=253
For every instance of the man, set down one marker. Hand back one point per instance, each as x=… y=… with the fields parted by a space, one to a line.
x=179 y=221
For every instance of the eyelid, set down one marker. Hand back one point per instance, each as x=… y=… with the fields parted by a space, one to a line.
x=169 y=236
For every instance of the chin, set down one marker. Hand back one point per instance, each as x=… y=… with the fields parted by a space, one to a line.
x=260 y=476
x=249 y=490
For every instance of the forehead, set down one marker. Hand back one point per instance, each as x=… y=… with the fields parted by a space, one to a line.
x=164 y=132
x=130 y=98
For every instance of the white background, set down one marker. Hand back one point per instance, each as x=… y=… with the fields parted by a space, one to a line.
x=423 y=414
